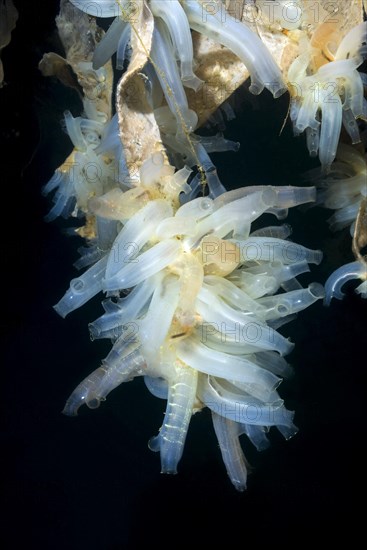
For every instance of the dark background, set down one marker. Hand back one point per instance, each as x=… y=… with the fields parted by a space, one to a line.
x=91 y=482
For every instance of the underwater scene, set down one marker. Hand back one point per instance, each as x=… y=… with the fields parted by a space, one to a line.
x=188 y=268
